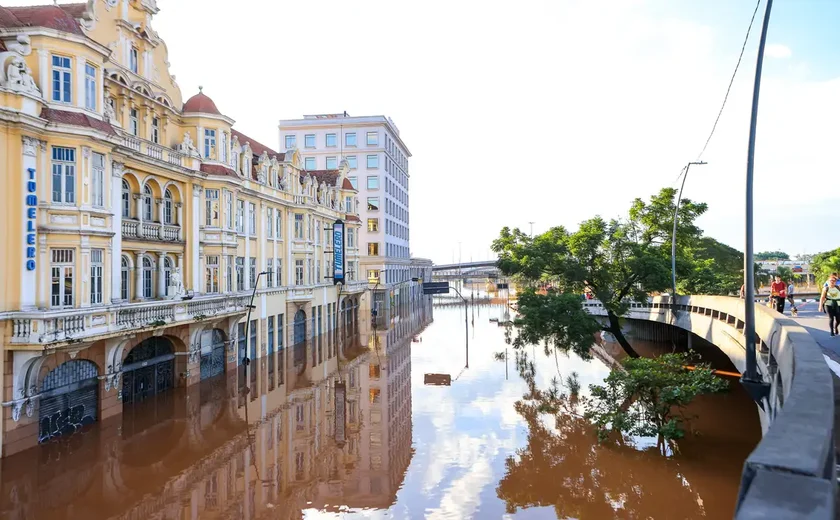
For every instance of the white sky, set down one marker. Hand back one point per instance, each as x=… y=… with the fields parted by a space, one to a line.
x=544 y=111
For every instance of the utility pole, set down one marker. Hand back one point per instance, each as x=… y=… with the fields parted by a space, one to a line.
x=674 y=236
x=532 y=229
x=752 y=382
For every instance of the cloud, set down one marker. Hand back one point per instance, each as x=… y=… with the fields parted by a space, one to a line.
x=777 y=50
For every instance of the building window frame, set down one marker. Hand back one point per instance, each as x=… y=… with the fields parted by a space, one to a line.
x=209 y=142
x=134 y=60
x=291 y=141
x=373 y=204
x=97 y=270
x=90 y=87
x=332 y=163
x=148 y=206
x=97 y=181
x=350 y=139
x=133 y=122
x=148 y=276
x=372 y=161
x=62 y=270
x=373 y=182
x=63 y=175
x=330 y=143
x=309 y=141
x=373 y=249
x=211 y=271
x=62 y=79
x=372 y=138
x=309 y=164
x=156 y=130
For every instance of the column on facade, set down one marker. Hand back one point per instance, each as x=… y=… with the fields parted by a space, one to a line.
x=80 y=81
x=83 y=289
x=159 y=203
x=138 y=202
x=138 y=275
x=161 y=278
x=179 y=214
x=247 y=227
x=195 y=236
x=262 y=241
x=116 y=228
x=44 y=72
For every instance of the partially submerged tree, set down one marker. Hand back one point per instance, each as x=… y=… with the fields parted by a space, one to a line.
x=619 y=261
x=648 y=398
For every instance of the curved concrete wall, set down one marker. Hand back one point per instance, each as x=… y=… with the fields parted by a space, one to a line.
x=791 y=473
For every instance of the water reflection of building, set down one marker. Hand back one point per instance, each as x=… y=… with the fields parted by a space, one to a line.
x=202 y=462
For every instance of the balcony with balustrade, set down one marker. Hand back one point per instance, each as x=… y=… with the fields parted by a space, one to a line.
x=159 y=152
x=154 y=231
x=36 y=330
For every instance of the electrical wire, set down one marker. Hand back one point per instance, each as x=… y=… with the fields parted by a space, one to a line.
x=731 y=80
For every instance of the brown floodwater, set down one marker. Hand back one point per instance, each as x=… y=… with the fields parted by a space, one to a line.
x=472 y=449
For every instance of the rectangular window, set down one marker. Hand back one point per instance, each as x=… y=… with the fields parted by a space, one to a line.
x=348 y=205
x=209 y=143
x=373 y=225
x=269 y=223
x=133 y=122
x=299 y=272
x=373 y=138
x=309 y=141
x=252 y=218
x=63 y=175
x=61 y=268
x=269 y=268
x=223 y=148
x=240 y=216
x=252 y=271
x=240 y=273
x=278 y=267
x=351 y=238
x=373 y=182
x=373 y=203
x=309 y=163
x=373 y=161
x=90 y=87
x=229 y=273
x=155 y=130
x=212 y=271
x=291 y=142
x=96 y=269
x=332 y=163
x=317 y=233
x=211 y=208
x=62 y=77
x=298 y=226
x=373 y=248
x=352 y=163
x=97 y=192
x=331 y=140
x=373 y=275
x=133 y=61
x=279 y=227
x=354 y=182
x=229 y=209
x=350 y=139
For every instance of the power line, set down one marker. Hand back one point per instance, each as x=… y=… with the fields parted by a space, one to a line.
x=731 y=80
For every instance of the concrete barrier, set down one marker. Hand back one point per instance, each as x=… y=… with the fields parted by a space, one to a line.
x=791 y=473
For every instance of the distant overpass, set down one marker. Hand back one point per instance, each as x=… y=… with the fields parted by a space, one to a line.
x=465 y=265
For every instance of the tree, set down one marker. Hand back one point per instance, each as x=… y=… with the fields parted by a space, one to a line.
x=648 y=398
x=823 y=264
x=716 y=268
x=620 y=261
x=785 y=272
x=771 y=255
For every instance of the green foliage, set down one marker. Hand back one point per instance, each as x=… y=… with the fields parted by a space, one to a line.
x=555 y=320
x=823 y=264
x=785 y=272
x=765 y=256
x=715 y=268
x=649 y=396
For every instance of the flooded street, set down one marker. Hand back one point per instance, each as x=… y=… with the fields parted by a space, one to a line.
x=409 y=450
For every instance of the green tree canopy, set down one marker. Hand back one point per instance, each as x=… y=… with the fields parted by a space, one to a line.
x=765 y=256
x=823 y=264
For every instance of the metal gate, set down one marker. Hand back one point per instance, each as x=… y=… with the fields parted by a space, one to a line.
x=69 y=399
x=149 y=369
x=212 y=353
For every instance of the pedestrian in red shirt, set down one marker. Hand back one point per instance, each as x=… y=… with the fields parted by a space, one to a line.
x=778 y=291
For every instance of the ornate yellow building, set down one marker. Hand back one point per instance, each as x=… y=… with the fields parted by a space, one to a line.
x=137 y=226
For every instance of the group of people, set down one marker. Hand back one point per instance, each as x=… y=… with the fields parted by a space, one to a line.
x=780 y=291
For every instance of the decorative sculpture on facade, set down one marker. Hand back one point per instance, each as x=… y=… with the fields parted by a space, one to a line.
x=110 y=113
x=188 y=147
x=176 y=288
x=16 y=75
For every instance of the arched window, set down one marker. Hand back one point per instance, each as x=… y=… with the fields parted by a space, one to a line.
x=126 y=199
x=148 y=271
x=167 y=207
x=147 y=203
x=125 y=279
x=167 y=271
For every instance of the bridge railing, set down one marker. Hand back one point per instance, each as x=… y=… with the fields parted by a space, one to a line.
x=791 y=473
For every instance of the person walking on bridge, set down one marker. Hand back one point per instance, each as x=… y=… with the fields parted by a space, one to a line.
x=778 y=292
x=830 y=303
x=790 y=290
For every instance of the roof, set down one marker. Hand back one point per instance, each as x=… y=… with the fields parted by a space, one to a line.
x=257 y=147
x=200 y=103
x=217 y=169
x=352 y=218
x=76 y=119
x=58 y=17
x=326 y=176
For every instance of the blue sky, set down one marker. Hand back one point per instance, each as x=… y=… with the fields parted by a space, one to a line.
x=544 y=111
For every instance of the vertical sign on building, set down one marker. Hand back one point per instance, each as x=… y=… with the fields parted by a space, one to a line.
x=31 y=216
x=340 y=404
x=338 y=251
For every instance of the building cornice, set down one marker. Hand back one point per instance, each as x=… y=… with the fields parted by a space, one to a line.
x=59 y=35
x=328 y=123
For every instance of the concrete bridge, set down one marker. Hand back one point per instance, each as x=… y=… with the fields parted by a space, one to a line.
x=466 y=270
x=792 y=472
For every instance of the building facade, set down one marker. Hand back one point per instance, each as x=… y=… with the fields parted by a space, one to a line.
x=377 y=160
x=138 y=228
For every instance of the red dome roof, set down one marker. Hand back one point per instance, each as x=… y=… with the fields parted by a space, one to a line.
x=201 y=103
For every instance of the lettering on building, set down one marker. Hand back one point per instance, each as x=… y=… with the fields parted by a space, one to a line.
x=338 y=251
x=31 y=216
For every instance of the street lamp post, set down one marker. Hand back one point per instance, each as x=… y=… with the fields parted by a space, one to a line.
x=674 y=236
x=753 y=383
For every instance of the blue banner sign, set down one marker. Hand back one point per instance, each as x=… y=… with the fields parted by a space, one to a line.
x=31 y=219
x=338 y=251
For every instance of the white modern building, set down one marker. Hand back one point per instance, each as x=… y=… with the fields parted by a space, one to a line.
x=378 y=162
